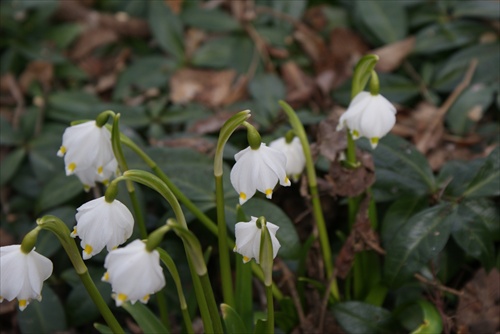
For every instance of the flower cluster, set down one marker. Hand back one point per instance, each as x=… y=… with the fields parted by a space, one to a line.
x=22 y=274
x=370 y=116
x=88 y=154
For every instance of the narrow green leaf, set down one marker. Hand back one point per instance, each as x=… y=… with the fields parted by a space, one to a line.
x=419 y=240
x=167 y=29
x=10 y=164
x=267 y=89
x=360 y=318
x=232 y=320
x=46 y=316
x=103 y=329
x=145 y=318
x=477 y=9
x=487 y=180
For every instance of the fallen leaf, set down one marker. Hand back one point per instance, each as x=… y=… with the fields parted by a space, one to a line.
x=211 y=124
x=90 y=40
x=299 y=86
x=391 y=56
x=37 y=70
x=330 y=141
x=199 y=144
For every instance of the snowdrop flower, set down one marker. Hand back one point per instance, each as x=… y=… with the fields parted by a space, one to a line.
x=258 y=169
x=22 y=275
x=101 y=223
x=295 y=158
x=134 y=273
x=88 y=154
x=248 y=235
x=370 y=116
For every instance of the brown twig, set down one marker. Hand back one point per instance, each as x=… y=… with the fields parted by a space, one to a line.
x=324 y=304
x=260 y=45
x=438 y=285
x=423 y=144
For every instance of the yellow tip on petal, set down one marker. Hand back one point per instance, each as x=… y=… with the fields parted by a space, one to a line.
x=287 y=181
x=71 y=168
x=74 y=233
x=87 y=252
x=1 y=299
x=61 y=152
x=121 y=298
x=269 y=193
x=246 y=259
x=23 y=303
x=86 y=188
x=374 y=142
x=234 y=250
x=243 y=196
x=355 y=134
x=105 y=277
x=145 y=299
x=105 y=182
x=100 y=169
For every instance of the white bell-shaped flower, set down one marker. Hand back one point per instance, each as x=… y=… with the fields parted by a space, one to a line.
x=295 y=158
x=22 y=275
x=88 y=154
x=248 y=235
x=134 y=273
x=370 y=116
x=100 y=223
x=258 y=169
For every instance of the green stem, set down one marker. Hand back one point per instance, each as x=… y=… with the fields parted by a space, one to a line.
x=56 y=226
x=270 y=310
x=162 y=306
x=201 y=298
x=212 y=306
x=225 y=265
x=313 y=189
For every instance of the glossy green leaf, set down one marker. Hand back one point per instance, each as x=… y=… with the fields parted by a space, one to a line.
x=453 y=71
x=103 y=329
x=167 y=29
x=60 y=189
x=397 y=88
x=43 y=152
x=472 y=232
x=469 y=108
x=10 y=164
x=445 y=36
x=214 y=20
x=424 y=15
x=267 y=90
x=487 y=180
x=145 y=318
x=431 y=322
x=46 y=316
x=8 y=135
x=232 y=320
x=400 y=169
x=419 y=240
x=215 y=53
x=455 y=175
x=360 y=318
x=477 y=9
x=69 y=106
x=385 y=19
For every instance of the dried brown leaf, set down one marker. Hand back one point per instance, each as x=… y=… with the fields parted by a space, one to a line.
x=211 y=124
x=330 y=141
x=299 y=86
x=351 y=182
x=201 y=145
x=90 y=40
x=37 y=70
x=392 y=55
x=175 y=5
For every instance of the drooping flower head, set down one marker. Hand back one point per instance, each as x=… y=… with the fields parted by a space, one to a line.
x=134 y=273
x=258 y=169
x=248 y=235
x=22 y=274
x=370 y=116
x=88 y=154
x=101 y=223
x=295 y=158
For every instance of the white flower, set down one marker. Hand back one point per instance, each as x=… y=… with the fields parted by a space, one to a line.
x=99 y=224
x=22 y=275
x=258 y=169
x=248 y=237
x=370 y=116
x=134 y=273
x=295 y=158
x=88 y=153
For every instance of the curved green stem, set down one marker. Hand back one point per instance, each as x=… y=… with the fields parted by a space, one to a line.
x=270 y=310
x=313 y=189
x=56 y=226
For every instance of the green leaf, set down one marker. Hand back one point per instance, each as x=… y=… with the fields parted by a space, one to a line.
x=487 y=180
x=9 y=136
x=419 y=240
x=287 y=234
x=267 y=90
x=400 y=169
x=469 y=108
x=456 y=175
x=397 y=88
x=449 y=35
x=386 y=20
x=62 y=35
x=398 y=213
x=215 y=53
x=476 y=228
x=47 y=242
x=232 y=320
x=431 y=322
x=46 y=316
x=68 y=106
x=477 y=9
x=60 y=189
x=103 y=329
x=167 y=29
x=453 y=71
x=145 y=318
x=10 y=164
x=212 y=20
x=360 y=318
x=43 y=152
